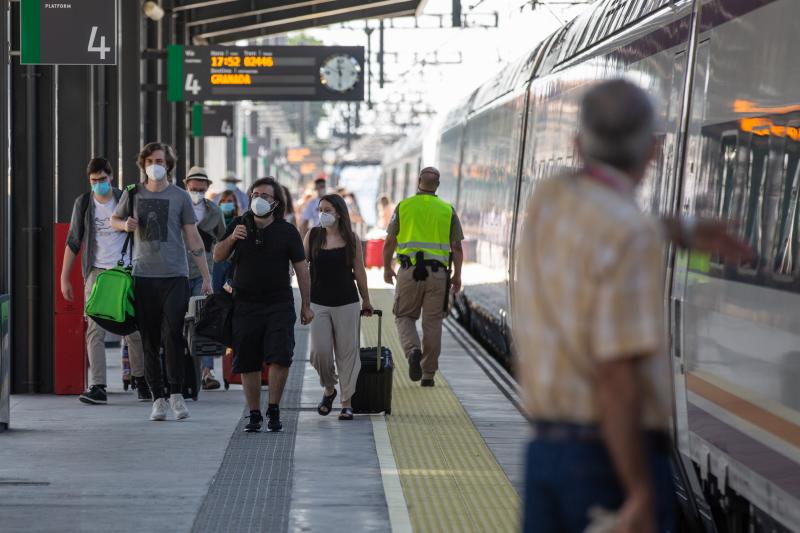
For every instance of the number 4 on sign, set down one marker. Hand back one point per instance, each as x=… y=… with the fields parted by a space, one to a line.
x=226 y=128
x=102 y=49
x=192 y=85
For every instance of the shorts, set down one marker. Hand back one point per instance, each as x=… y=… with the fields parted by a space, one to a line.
x=262 y=333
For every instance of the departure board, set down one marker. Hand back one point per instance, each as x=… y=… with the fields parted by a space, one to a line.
x=279 y=73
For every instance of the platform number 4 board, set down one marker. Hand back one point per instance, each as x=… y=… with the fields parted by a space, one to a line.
x=68 y=32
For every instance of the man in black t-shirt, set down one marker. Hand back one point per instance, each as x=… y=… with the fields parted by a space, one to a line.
x=262 y=244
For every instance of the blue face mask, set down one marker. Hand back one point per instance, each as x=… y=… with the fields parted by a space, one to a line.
x=101 y=188
x=227 y=208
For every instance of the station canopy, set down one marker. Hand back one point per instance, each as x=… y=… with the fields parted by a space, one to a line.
x=226 y=21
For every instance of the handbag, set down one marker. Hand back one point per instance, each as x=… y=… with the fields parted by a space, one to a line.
x=213 y=319
x=111 y=302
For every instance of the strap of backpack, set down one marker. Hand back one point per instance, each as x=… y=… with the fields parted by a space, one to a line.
x=127 y=247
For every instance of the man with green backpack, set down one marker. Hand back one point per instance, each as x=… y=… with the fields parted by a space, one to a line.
x=90 y=230
x=161 y=219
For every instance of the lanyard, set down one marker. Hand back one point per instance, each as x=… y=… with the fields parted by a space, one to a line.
x=606 y=179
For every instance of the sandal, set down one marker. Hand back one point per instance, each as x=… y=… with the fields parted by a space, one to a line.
x=346 y=414
x=325 y=407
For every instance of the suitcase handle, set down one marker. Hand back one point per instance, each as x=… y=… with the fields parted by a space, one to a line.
x=379 y=314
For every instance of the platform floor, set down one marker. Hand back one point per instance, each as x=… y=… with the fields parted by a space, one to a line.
x=447 y=458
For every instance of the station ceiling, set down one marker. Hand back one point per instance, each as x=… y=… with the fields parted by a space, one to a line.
x=225 y=21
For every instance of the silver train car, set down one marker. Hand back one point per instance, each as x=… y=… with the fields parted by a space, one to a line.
x=727 y=92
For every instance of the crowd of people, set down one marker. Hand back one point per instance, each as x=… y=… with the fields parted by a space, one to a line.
x=188 y=242
x=589 y=327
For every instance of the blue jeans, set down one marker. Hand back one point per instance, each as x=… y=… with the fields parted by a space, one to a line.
x=566 y=478
x=220 y=274
x=196 y=286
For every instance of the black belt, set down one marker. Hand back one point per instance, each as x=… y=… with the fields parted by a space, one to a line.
x=659 y=441
x=405 y=262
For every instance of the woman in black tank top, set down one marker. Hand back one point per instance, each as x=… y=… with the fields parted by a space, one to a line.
x=337 y=277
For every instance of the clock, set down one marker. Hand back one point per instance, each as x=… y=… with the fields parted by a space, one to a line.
x=340 y=73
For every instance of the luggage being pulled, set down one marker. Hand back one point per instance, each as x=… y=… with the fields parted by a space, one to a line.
x=229 y=377
x=374 y=385
x=199 y=345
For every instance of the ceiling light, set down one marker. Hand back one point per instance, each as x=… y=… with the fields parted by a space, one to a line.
x=153 y=11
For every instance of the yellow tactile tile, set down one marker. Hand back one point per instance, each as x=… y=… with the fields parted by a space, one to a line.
x=450 y=479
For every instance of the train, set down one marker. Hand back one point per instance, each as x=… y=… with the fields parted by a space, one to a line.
x=725 y=81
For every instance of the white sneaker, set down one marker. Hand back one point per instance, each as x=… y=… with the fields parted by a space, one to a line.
x=178 y=406
x=159 y=410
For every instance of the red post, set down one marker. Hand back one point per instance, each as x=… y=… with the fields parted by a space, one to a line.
x=69 y=345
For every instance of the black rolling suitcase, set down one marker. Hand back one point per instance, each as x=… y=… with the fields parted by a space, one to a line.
x=374 y=385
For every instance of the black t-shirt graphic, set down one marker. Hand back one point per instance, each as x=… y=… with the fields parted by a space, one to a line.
x=261 y=261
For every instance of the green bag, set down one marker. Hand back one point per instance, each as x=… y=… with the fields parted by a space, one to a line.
x=111 y=302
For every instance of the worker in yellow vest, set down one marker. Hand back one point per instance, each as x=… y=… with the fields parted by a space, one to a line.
x=427 y=235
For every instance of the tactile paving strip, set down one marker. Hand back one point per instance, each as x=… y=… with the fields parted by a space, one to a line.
x=252 y=489
x=450 y=479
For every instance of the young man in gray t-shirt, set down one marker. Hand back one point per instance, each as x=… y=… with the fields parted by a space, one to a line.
x=161 y=217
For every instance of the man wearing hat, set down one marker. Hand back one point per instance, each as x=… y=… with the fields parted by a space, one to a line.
x=230 y=180
x=211 y=226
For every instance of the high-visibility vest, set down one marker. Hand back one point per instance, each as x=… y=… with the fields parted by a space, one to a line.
x=425 y=227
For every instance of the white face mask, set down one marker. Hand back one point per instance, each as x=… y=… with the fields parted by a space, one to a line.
x=261 y=207
x=197 y=196
x=326 y=220
x=156 y=172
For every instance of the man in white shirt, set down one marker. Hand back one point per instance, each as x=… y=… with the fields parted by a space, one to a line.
x=90 y=229
x=310 y=216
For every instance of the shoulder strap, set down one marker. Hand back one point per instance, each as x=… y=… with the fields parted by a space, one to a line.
x=84 y=206
x=127 y=247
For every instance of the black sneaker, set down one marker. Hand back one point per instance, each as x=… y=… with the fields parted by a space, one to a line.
x=414 y=366
x=427 y=382
x=254 y=426
x=143 y=390
x=96 y=395
x=274 y=423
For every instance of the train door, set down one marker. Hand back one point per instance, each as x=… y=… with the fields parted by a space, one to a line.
x=685 y=181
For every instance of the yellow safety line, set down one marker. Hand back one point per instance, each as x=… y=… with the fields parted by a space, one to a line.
x=450 y=479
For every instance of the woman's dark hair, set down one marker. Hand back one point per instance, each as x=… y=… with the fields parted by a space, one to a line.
x=232 y=195
x=289 y=202
x=277 y=192
x=345 y=230
x=99 y=164
x=169 y=155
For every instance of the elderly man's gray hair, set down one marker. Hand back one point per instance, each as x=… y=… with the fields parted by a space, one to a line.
x=617 y=124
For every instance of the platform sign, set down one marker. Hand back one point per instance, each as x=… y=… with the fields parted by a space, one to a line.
x=212 y=120
x=71 y=32
x=275 y=73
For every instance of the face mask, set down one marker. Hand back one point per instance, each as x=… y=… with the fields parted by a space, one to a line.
x=197 y=196
x=156 y=172
x=101 y=188
x=229 y=185
x=261 y=207
x=227 y=208
x=326 y=220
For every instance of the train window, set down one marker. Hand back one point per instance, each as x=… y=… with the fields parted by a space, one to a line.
x=785 y=250
x=727 y=166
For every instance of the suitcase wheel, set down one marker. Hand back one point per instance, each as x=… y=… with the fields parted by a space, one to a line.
x=388 y=411
x=125 y=384
x=227 y=385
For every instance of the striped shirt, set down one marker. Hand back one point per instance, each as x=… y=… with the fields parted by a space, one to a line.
x=589 y=289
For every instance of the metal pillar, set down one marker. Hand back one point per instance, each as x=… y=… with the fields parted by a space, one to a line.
x=5 y=134
x=253 y=135
x=152 y=103
x=131 y=125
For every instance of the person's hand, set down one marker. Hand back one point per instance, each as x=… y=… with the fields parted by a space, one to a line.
x=718 y=237
x=306 y=315
x=239 y=233
x=66 y=289
x=131 y=224
x=207 y=286
x=637 y=514
x=455 y=284
x=389 y=275
x=366 y=308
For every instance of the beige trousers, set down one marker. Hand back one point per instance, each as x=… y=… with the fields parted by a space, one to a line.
x=412 y=298
x=336 y=335
x=96 y=343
